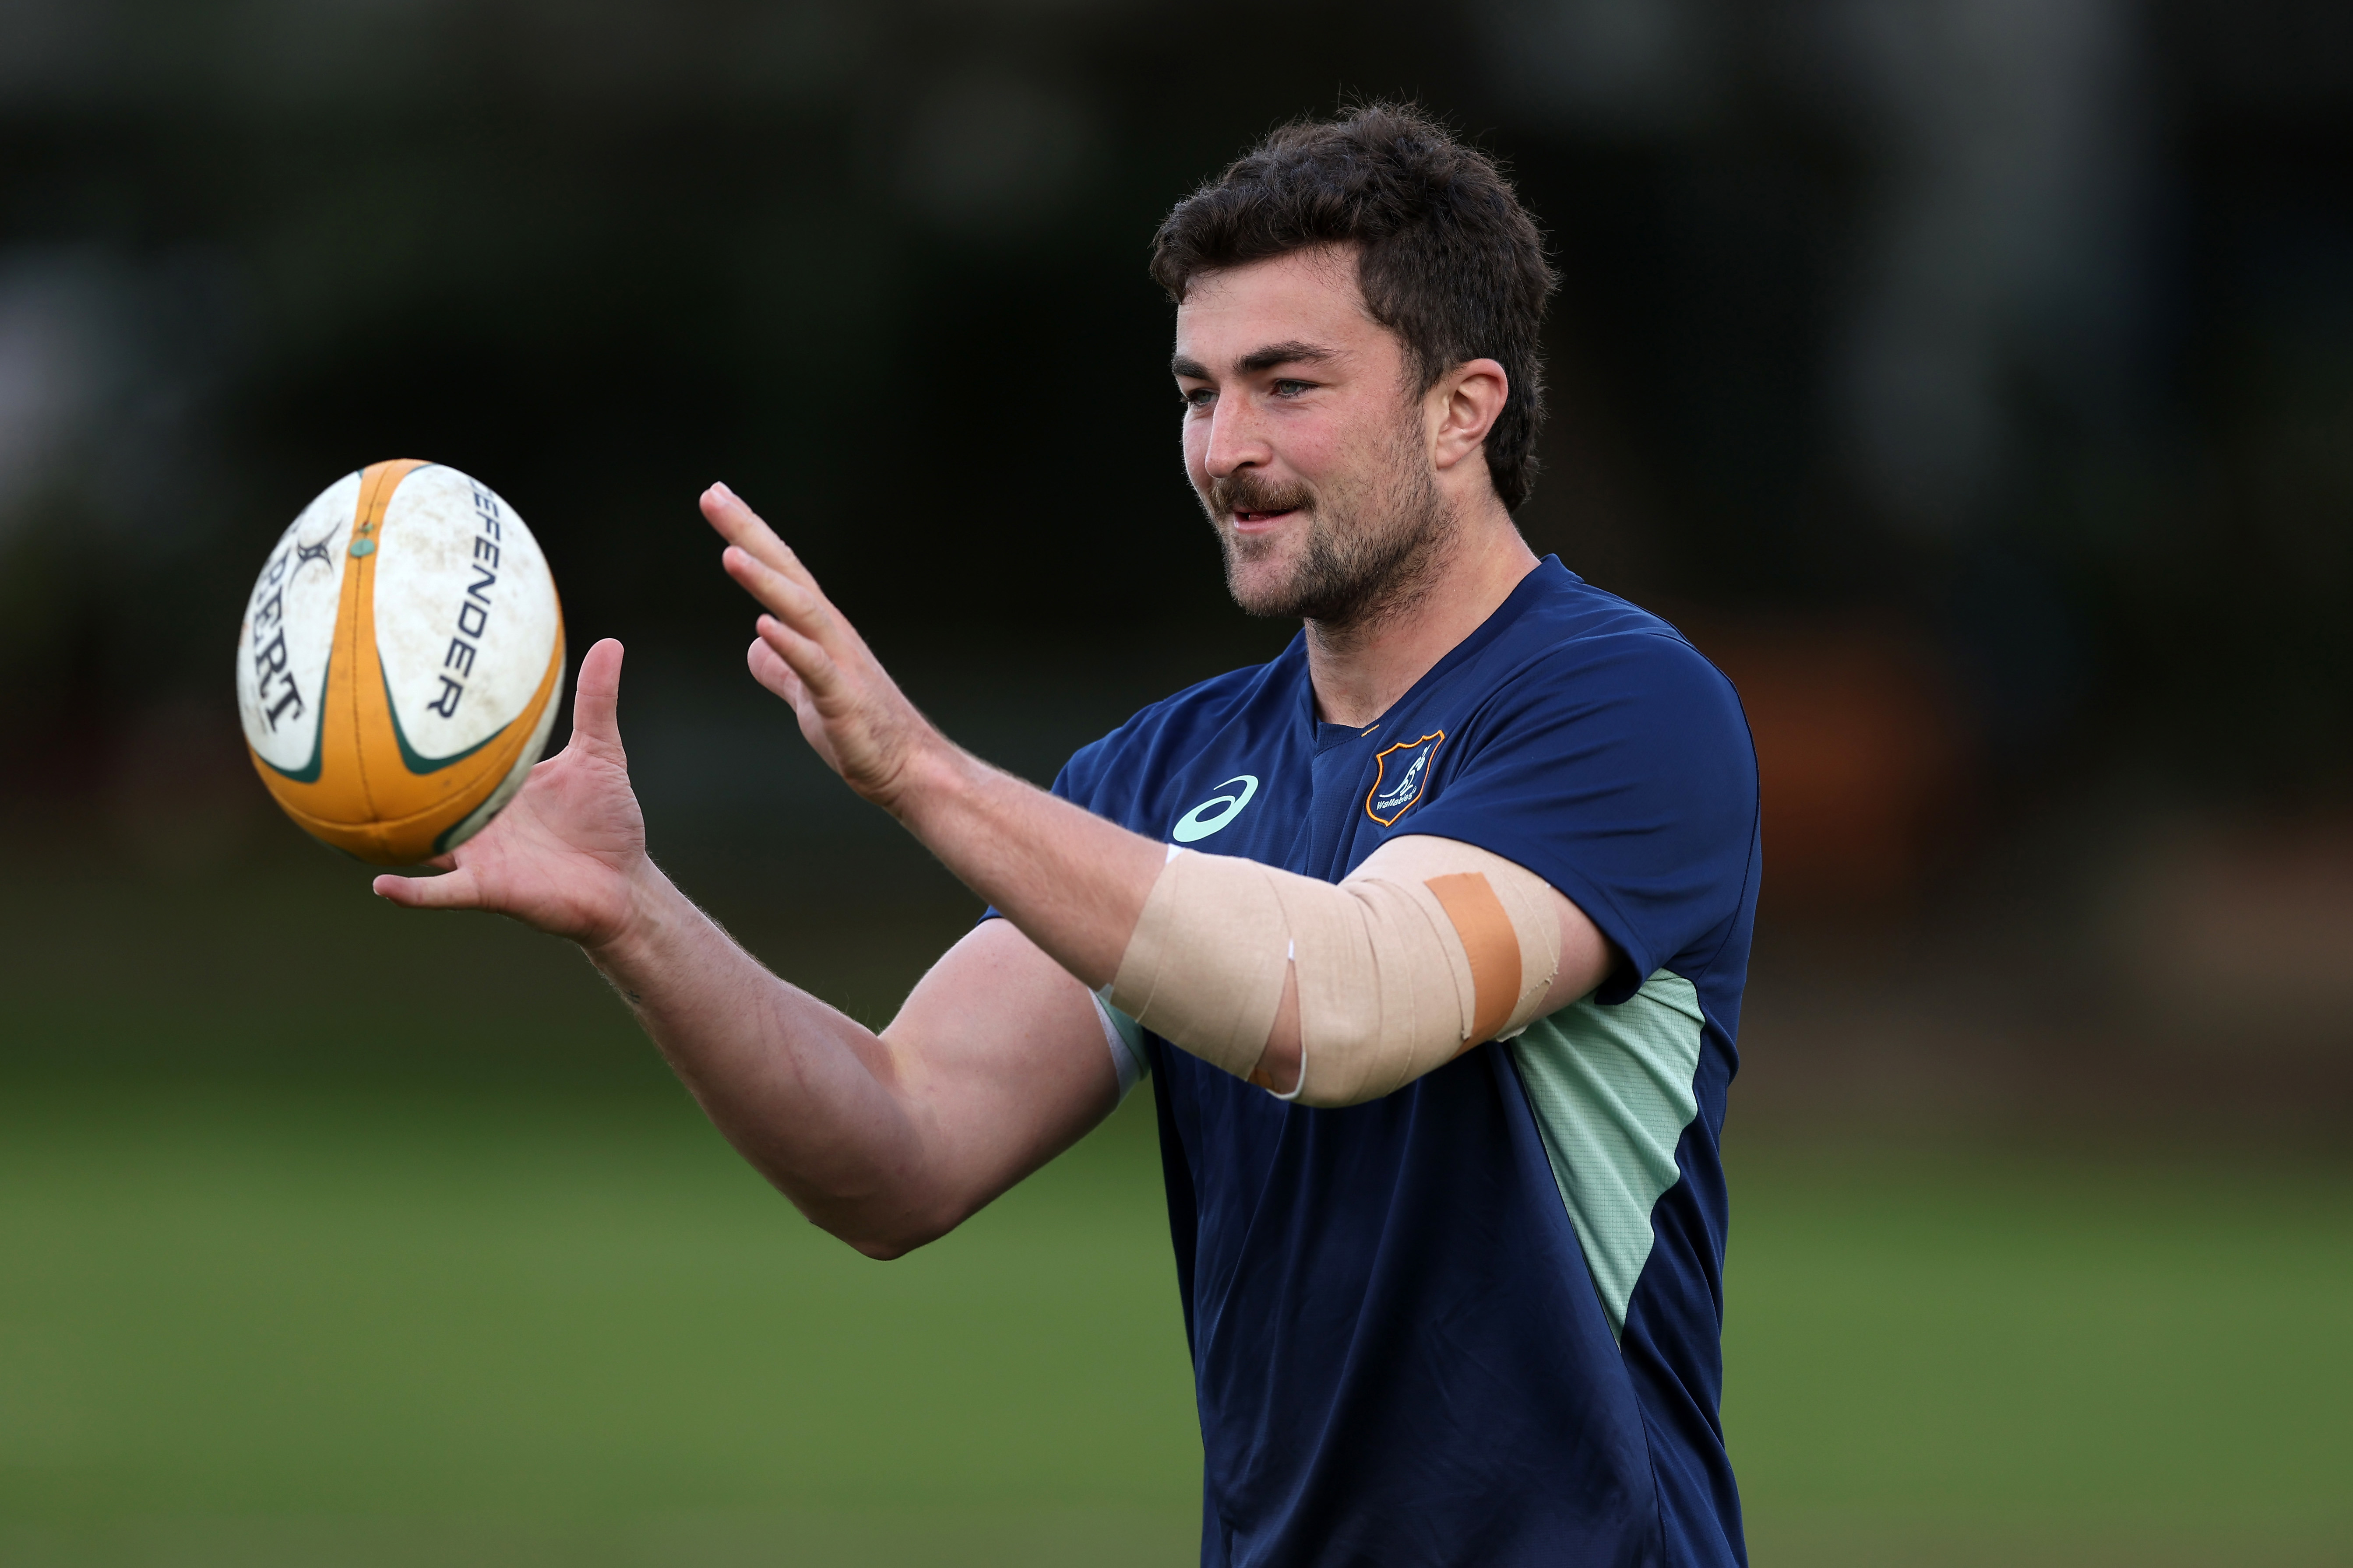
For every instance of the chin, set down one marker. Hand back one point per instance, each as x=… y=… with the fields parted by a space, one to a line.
x=1266 y=587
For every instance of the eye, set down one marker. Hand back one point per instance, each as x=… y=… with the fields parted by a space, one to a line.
x=1198 y=397
x=1288 y=388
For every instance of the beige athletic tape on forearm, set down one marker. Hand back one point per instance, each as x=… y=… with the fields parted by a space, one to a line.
x=1432 y=946
x=1204 y=966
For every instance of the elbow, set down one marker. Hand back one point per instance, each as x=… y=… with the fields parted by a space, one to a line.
x=881 y=1221
x=885 y=1239
x=886 y=1248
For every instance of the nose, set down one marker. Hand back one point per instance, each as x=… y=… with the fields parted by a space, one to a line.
x=1236 y=440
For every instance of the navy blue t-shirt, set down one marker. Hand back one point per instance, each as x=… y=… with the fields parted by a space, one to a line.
x=1478 y=1321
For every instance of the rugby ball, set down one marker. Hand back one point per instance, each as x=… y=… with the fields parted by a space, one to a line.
x=400 y=661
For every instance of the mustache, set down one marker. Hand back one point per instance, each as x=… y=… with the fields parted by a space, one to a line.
x=1247 y=492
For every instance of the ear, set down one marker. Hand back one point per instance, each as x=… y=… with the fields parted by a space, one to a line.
x=1462 y=407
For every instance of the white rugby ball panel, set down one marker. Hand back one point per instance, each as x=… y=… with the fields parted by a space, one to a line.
x=511 y=785
x=465 y=613
x=283 y=646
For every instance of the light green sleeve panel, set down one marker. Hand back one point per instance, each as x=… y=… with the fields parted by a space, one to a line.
x=1613 y=1089
x=1125 y=1035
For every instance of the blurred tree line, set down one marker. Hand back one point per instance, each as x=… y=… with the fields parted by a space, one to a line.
x=2004 y=345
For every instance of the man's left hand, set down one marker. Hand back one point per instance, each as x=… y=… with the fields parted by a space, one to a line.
x=850 y=711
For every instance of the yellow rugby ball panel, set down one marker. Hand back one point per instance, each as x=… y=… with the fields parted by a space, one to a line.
x=399 y=729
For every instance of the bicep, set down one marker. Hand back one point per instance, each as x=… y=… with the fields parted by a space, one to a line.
x=1001 y=1053
x=1587 y=956
x=1582 y=959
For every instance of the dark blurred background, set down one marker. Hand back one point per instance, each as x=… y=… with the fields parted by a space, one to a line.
x=1972 y=379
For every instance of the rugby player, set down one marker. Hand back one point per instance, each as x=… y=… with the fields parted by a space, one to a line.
x=1432 y=930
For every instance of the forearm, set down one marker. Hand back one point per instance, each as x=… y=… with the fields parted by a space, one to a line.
x=1071 y=881
x=996 y=1062
x=813 y=1099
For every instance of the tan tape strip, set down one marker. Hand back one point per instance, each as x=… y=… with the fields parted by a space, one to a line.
x=1206 y=963
x=1490 y=942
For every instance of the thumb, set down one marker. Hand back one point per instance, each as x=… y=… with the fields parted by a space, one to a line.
x=596 y=703
x=456 y=890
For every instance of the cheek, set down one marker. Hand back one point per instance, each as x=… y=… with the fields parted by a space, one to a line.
x=1317 y=447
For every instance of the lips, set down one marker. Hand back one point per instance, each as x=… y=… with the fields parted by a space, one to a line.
x=1251 y=503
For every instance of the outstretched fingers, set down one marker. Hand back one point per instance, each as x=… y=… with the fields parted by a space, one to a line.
x=740 y=526
x=810 y=659
x=769 y=668
x=788 y=598
x=454 y=891
x=768 y=571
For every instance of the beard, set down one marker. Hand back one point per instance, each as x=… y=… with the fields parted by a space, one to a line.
x=1370 y=551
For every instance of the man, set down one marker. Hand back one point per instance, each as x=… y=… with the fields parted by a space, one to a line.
x=1451 y=1301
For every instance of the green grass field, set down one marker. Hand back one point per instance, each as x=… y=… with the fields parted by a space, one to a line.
x=450 y=1283
x=389 y=1328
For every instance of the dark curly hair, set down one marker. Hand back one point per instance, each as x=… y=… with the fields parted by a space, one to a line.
x=1446 y=257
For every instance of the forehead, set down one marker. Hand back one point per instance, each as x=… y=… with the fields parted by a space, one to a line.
x=1307 y=296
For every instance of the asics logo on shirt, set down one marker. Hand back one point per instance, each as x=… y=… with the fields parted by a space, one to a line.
x=1215 y=812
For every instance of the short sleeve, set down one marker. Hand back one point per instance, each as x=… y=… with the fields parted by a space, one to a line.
x=1125 y=1037
x=1619 y=768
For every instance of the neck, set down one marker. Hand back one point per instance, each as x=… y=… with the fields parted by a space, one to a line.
x=1359 y=669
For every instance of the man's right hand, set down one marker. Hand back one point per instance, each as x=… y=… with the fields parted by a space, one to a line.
x=995 y=1064
x=568 y=853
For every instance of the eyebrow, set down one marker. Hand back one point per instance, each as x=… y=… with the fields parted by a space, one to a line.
x=1294 y=351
